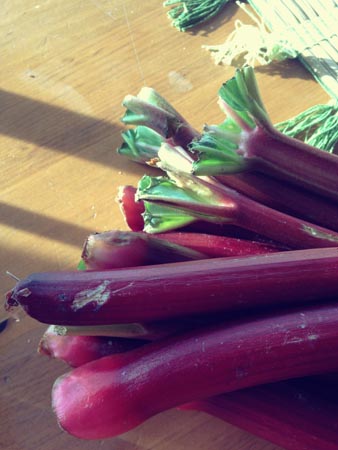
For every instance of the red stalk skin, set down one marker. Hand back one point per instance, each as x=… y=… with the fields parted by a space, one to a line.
x=284 y=197
x=290 y=414
x=294 y=414
x=272 y=152
x=131 y=209
x=288 y=230
x=115 y=249
x=227 y=230
x=282 y=228
x=79 y=350
x=179 y=289
x=219 y=246
x=112 y=395
x=132 y=212
x=242 y=211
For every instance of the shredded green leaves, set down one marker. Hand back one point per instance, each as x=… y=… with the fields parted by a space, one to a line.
x=316 y=126
x=189 y=13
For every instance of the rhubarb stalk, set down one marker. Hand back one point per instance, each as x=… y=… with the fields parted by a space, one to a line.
x=294 y=414
x=112 y=395
x=178 y=289
x=115 y=249
x=299 y=414
x=150 y=109
x=79 y=350
x=262 y=147
x=284 y=197
x=207 y=199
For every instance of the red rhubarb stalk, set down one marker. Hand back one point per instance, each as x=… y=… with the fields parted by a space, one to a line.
x=114 y=394
x=210 y=200
x=116 y=249
x=218 y=246
x=284 y=197
x=133 y=210
x=297 y=414
x=272 y=152
x=79 y=350
x=148 y=331
x=172 y=290
x=253 y=143
x=79 y=345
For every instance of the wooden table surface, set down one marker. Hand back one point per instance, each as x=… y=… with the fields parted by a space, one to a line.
x=65 y=68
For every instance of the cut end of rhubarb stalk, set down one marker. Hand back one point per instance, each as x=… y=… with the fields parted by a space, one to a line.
x=11 y=302
x=114 y=249
x=44 y=347
x=140 y=144
x=12 y=306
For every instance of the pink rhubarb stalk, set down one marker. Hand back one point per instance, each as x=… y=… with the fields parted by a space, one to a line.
x=114 y=394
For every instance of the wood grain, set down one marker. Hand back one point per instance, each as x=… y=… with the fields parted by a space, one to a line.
x=66 y=67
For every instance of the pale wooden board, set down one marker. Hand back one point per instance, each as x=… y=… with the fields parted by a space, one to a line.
x=65 y=68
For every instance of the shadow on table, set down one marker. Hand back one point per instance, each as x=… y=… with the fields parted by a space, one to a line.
x=293 y=68
x=61 y=130
x=18 y=258
x=42 y=225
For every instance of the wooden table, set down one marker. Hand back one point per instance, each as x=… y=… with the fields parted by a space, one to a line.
x=65 y=68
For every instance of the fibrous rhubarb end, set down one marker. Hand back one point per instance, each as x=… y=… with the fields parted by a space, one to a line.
x=140 y=144
x=241 y=96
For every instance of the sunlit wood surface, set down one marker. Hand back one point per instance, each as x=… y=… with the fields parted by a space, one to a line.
x=65 y=68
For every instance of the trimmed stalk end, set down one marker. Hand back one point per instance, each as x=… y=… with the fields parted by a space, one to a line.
x=242 y=99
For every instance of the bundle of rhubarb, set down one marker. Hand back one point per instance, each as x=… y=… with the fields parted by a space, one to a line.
x=222 y=296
